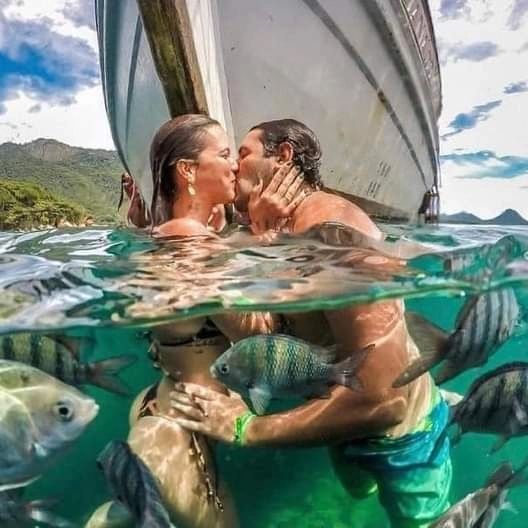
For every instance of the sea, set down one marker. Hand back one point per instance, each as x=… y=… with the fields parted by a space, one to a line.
x=113 y=285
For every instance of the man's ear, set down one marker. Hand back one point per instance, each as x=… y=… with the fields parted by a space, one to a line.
x=285 y=152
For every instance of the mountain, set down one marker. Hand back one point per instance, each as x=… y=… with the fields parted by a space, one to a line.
x=507 y=217
x=90 y=178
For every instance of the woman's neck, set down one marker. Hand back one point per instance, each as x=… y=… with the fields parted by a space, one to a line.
x=186 y=206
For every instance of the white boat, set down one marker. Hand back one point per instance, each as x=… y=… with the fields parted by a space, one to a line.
x=363 y=74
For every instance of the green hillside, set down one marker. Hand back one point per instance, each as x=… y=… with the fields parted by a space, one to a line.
x=27 y=205
x=89 y=178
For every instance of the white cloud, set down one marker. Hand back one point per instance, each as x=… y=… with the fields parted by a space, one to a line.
x=82 y=124
x=467 y=84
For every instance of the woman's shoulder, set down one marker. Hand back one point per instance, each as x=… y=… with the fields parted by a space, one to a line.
x=181 y=227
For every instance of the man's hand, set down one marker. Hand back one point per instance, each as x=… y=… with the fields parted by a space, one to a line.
x=217 y=219
x=207 y=411
x=269 y=209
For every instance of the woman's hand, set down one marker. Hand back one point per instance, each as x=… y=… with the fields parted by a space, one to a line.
x=207 y=411
x=269 y=209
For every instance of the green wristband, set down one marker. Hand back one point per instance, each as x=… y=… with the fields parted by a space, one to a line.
x=241 y=424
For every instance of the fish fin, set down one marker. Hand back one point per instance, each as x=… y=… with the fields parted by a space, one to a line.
x=451 y=398
x=343 y=373
x=318 y=390
x=260 y=399
x=431 y=340
x=72 y=344
x=520 y=413
x=19 y=484
x=508 y=506
x=104 y=373
x=429 y=337
x=498 y=444
x=500 y=476
x=448 y=371
x=37 y=511
x=455 y=439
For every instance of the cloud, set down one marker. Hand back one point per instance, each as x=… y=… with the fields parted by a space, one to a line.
x=42 y=63
x=518 y=87
x=35 y=108
x=475 y=52
x=80 y=13
x=466 y=121
x=453 y=8
x=519 y=10
x=486 y=164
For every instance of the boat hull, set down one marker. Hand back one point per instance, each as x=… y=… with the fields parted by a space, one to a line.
x=362 y=74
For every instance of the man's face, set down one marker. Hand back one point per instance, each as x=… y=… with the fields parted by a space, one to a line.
x=252 y=166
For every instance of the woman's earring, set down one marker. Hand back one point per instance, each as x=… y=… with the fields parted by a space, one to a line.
x=190 y=187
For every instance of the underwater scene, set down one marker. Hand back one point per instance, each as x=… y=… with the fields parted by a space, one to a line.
x=83 y=304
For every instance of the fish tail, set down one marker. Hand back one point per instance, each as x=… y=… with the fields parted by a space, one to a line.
x=344 y=372
x=104 y=373
x=37 y=510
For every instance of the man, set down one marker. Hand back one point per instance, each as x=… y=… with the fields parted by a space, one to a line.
x=382 y=438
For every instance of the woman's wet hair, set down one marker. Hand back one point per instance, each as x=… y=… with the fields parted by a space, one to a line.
x=180 y=138
x=306 y=147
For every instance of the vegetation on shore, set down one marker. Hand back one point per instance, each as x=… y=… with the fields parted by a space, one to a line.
x=73 y=177
x=27 y=206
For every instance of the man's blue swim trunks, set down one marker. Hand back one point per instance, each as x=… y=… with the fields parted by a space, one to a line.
x=412 y=473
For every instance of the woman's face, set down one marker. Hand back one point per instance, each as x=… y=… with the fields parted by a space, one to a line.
x=215 y=175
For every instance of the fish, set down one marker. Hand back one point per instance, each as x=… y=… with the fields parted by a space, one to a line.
x=267 y=367
x=133 y=485
x=110 y=515
x=481 y=508
x=484 y=323
x=496 y=403
x=59 y=357
x=40 y=417
x=16 y=513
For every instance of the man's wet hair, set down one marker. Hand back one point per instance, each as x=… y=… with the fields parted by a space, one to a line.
x=306 y=147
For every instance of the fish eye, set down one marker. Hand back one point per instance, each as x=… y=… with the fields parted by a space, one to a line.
x=63 y=411
x=224 y=369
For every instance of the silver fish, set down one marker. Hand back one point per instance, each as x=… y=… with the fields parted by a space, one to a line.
x=39 y=418
x=16 y=513
x=497 y=403
x=484 y=323
x=481 y=508
x=133 y=485
x=59 y=357
x=274 y=366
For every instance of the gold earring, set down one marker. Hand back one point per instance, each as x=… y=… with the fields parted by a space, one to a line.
x=191 y=189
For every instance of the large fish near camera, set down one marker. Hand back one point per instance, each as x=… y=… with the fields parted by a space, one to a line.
x=483 y=324
x=16 y=513
x=267 y=367
x=59 y=356
x=39 y=418
x=481 y=508
x=497 y=403
x=133 y=485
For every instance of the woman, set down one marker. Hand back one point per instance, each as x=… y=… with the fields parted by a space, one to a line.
x=193 y=172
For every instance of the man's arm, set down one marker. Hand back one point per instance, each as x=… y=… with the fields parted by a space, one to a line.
x=349 y=414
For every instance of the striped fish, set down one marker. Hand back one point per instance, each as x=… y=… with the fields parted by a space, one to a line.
x=16 y=513
x=484 y=323
x=133 y=485
x=481 y=508
x=274 y=366
x=59 y=357
x=497 y=403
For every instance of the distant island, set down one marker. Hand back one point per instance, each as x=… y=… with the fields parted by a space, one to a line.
x=46 y=182
x=507 y=217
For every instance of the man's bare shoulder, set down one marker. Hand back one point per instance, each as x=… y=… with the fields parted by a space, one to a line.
x=322 y=207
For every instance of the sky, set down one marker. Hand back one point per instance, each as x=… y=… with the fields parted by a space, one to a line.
x=50 y=87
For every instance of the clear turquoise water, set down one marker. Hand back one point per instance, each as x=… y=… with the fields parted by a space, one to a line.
x=80 y=280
